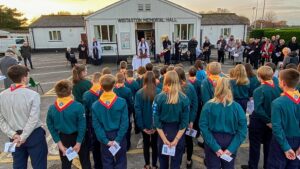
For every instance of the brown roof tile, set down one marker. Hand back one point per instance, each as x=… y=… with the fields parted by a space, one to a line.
x=46 y=21
x=224 y=19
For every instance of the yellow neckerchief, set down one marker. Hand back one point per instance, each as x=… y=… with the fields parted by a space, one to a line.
x=16 y=86
x=213 y=79
x=119 y=85
x=129 y=80
x=107 y=99
x=192 y=79
x=63 y=103
x=95 y=89
x=269 y=83
x=294 y=95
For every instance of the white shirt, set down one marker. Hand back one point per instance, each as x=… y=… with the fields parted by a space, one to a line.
x=144 y=47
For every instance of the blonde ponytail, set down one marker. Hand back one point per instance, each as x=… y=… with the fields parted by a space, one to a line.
x=223 y=93
x=172 y=87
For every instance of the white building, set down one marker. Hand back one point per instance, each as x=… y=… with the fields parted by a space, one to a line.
x=123 y=23
x=226 y=24
x=56 y=32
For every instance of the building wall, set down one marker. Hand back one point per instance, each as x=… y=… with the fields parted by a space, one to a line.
x=70 y=37
x=213 y=32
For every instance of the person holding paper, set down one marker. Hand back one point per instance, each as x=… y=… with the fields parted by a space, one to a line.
x=66 y=122
x=223 y=124
x=20 y=120
x=143 y=49
x=110 y=121
x=171 y=118
x=260 y=128
x=143 y=111
x=189 y=90
x=285 y=145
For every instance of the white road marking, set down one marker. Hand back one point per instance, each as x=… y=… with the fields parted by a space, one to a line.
x=42 y=67
x=48 y=73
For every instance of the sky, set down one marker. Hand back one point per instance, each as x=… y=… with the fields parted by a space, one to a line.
x=288 y=10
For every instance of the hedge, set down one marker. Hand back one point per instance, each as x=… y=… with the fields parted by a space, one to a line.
x=286 y=33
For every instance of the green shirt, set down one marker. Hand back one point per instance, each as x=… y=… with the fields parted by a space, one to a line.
x=263 y=97
x=240 y=91
x=68 y=121
x=207 y=90
x=110 y=119
x=285 y=120
x=190 y=92
x=133 y=86
x=126 y=94
x=143 y=110
x=79 y=89
x=197 y=87
x=230 y=119
x=254 y=83
x=171 y=113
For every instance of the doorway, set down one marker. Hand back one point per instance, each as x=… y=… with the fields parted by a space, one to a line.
x=146 y=31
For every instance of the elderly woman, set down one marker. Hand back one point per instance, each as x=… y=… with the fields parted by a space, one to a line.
x=278 y=52
x=70 y=56
x=238 y=53
x=289 y=57
x=266 y=51
x=293 y=44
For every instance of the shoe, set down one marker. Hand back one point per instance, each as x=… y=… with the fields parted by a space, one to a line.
x=189 y=165
x=200 y=144
x=147 y=167
x=244 y=166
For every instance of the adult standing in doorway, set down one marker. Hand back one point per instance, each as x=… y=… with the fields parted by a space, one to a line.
x=26 y=54
x=167 y=46
x=206 y=49
x=143 y=49
x=221 y=44
x=230 y=47
x=7 y=61
x=152 y=49
x=177 y=50
x=83 y=52
x=96 y=52
x=192 y=45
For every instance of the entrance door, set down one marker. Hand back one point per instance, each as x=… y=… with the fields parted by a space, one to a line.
x=146 y=31
x=140 y=34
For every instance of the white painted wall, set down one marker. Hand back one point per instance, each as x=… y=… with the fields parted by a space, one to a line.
x=70 y=37
x=213 y=32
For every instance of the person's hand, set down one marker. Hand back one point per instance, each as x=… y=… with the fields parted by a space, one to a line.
x=174 y=142
x=77 y=147
x=62 y=148
x=191 y=125
x=166 y=142
x=152 y=131
x=17 y=140
x=269 y=125
x=290 y=154
x=147 y=131
x=219 y=153
x=111 y=143
x=227 y=152
x=298 y=152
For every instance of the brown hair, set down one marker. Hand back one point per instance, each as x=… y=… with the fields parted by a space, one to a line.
x=129 y=73
x=249 y=70
x=231 y=73
x=298 y=68
x=240 y=75
x=106 y=71
x=149 y=67
x=265 y=73
x=192 y=71
x=291 y=66
x=179 y=65
x=149 y=86
x=271 y=65
x=17 y=72
x=123 y=65
x=290 y=76
x=96 y=77
x=156 y=73
x=181 y=74
x=214 y=68
x=107 y=82
x=163 y=70
x=63 y=88
x=141 y=70
x=77 y=73
x=199 y=65
x=170 y=68
x=120 y=78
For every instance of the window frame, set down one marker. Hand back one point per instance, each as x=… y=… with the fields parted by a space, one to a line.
x=149 y=7
x=99 y=33
x=228 y=30
x=55 y=36
x=140 y=7
x=189 y=34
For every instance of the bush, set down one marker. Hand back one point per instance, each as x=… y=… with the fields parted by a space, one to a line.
x=285 y=33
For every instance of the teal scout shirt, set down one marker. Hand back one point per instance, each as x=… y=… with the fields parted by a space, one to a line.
x=190 y=92
x=126 y=94
x=133 y=86
x=79 y=89
x=207 y=90
x=240 y=91
x=254 y=83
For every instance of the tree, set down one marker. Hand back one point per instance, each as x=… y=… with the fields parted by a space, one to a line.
x=11 y=18
x=61 y=13
x=271 y=16
x=219 y=10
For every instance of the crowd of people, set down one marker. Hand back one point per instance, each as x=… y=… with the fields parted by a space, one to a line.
x=161 y=104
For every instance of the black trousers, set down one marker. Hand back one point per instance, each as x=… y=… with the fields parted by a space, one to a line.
x=207 y=56
x=254 y=60
x=69 y=140
x=30 y=62
x=167 y=58
x=192 y=58
x=189 y=147
x=150 y=141
x=221 y=56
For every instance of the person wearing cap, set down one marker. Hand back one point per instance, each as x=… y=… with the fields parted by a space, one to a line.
x=6 y=62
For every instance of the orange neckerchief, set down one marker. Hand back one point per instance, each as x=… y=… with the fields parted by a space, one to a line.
x=95 y=89
x=129 y=80
x=293 y=95
x=192 y=79
x=269 y=83
x=107 y=99
x=62 y=103
x=16 y=86
x=166 y=89
x=119 y=85
x=213 y=79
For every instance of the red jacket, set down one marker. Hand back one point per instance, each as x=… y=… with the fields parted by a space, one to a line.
x=267 y=51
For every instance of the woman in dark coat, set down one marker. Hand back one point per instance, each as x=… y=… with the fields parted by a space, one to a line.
x=70 y=56
x=83 y=52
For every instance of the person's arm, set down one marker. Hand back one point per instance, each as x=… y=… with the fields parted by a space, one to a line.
x=241 y=131
x=138 y=111
x=194 y=105
x=33 y=119
x=98 y=126
x=81 y=121
x=259 y=98
x=5 y=127
x=204 y=92
x=50 y=125
x=123 y=125
x=156 y=113
x=184 y=114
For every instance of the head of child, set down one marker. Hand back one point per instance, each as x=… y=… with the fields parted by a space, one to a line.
x=107 y=82
x=149 y=67
x=199 y=65
x=181 y=75
x=79 y=73
x=288 y=79
x=231 y=73
x=271 y=65
x=123 y=66
x=265 y=73
x=172 y=87
x=249 y=70
x=291 y=66
x=106 y=71
x=192 y=72
x=18 y=74
x=149 y=85
x=170 y=68
x=223 y=93
x=156 y=73
x=129 y=74
x=96 y=78
x=240 y=75
x=214 y=68
x=141 y=71
x=120 y=78
x=163 y=70
x=63 y=88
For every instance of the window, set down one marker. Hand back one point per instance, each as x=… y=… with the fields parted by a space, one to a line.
x=226 y=32
x=54 y=35
x=148 y=7
x=184 y=31
x=140 y=7
x=106 y=33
